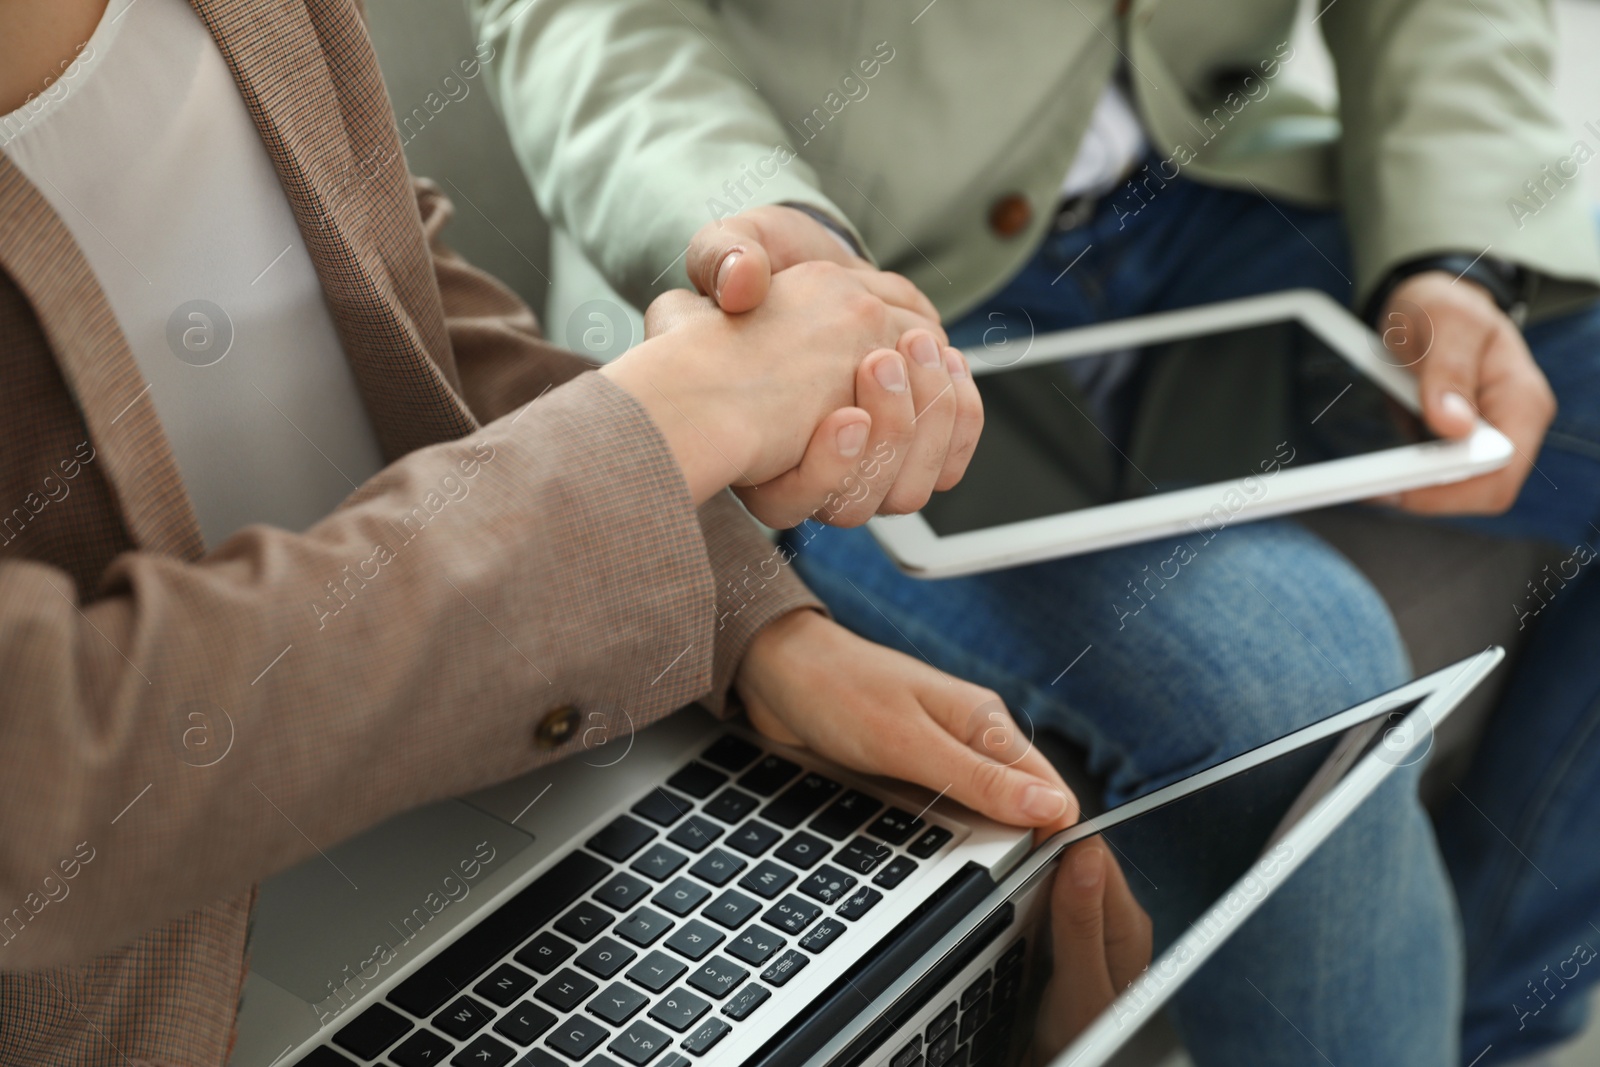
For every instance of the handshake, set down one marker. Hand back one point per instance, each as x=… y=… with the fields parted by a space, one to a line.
x=810 y=382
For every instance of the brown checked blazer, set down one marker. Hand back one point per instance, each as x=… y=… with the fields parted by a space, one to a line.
x=574 y=574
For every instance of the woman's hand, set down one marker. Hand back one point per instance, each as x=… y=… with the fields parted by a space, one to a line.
x=1100 y=939
x=808 y=681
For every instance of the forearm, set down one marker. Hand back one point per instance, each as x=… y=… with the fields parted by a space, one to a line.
x=405 y=649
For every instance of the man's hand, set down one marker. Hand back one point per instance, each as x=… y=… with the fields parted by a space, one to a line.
x=733 y=260
x=1100 y=940
x=1470 y=360
x=808 y=681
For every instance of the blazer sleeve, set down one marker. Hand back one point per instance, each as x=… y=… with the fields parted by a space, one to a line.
x=1452 y=141
x=629 y=116
x=420 y=642
x=503 y=364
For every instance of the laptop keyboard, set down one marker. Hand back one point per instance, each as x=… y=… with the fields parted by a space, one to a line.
x=670 y=927
x=974 y=1029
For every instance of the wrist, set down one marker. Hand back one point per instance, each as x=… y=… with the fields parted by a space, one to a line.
x=705 y=431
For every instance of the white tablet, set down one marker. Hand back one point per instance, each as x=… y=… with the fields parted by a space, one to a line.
x=1180 y=423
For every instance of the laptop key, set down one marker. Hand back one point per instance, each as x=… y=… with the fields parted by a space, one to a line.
x=695 y=833
x=658 y=862
x=860 y=902
x=746 y=1000
x=672 y=1059
x=941 y=1022
x=730 y=805
x=862 y=856
x=565 y=990
x=694 y=939
x=894 y=826
x=845 y=815
x=769 y=775
x=755 y=946
x=898 y=870
x=585 y=922
x=698 y=780
x=978 y=987
x=422 y=1049
x=717 y=976
x=504 y=985
x=605 y=957
x=484 y=1051
x=791 y=914
x=706 y=1034
x=639 y=1043
x=731 y=909
x=524 y=1023
x=544 y=953
x=911 y=1052
x=800 y=800
x=644 y=927
x=932 y=840
x=663 y=807
x=657 y=971
x=941 y=1048
x=822 y=935
x=323 y=1056
x=784 y=968
x=576 y=1037
x=373 y=1031
x=753 y=838
x=717 y=867
x=622 y=838
x=1011 y=958
x=618 y=1003
x=681 y=896
x=463 y=1018
x=622 y=892
x=974 y=1017
x=679 y=1010
x=827 y=885
x=768 y=879
x=803 y=850
x=731 y=753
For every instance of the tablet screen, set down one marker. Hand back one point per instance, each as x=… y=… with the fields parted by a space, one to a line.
x=1235 y=407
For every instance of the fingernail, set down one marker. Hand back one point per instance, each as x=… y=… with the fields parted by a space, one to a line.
x=925 y=350
x=1457 y=406
x=852 y=439
x=955 y=363
x=1085 y=867
x=725 y=271
x=891 y=374
x=1043 y=803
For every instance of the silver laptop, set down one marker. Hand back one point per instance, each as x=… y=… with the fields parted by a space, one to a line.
x=697 y=894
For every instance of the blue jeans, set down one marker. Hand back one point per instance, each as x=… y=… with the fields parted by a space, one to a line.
x=1358 y=959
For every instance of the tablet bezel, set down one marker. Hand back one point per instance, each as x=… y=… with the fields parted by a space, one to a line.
x=921 y=552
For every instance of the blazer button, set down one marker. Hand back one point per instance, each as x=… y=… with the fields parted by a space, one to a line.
x=1010 y=215
x=557 y=727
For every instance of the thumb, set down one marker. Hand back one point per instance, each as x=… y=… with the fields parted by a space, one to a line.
x=1080 y=983
x=1448 y=376
x=728 y=261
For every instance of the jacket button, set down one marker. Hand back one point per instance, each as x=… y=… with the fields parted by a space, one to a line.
x=1010 y=215
x=557 y=727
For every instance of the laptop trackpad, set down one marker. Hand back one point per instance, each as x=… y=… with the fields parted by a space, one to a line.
x=331 y=927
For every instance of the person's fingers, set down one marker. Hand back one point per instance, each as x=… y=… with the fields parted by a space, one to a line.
x=934 y=395
x=672 y=309
x=1080 y=985
x=825 y=482
x=898 y=291
x=1447 y=377
x=1514 y=398
x=728 y=262
x=968 y=424
x=883 y=388
x=1129 y=934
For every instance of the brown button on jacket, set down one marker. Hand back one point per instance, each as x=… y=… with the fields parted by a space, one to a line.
x=576 y=573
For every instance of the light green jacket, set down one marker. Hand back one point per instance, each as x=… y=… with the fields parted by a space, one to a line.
x=639 y=121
